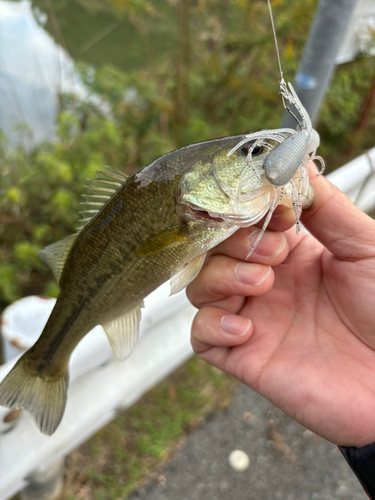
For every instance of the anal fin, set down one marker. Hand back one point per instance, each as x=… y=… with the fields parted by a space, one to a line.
x=122 y=332
x=186 y=274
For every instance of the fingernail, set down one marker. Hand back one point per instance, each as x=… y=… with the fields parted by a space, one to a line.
x=270 y=245
x=251 y=274
x=236 y=325
x=310 y=198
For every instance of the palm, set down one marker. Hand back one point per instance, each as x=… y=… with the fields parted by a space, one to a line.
x=302 y=356
x=312 y=348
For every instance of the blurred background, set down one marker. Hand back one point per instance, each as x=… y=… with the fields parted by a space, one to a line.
x=88 y=83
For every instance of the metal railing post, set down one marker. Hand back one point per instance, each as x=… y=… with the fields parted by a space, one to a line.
x=330 y=23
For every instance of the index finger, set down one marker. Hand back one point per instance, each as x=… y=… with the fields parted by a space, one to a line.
x=271 y=250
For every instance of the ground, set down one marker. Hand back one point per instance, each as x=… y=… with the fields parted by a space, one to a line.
x=287 y=462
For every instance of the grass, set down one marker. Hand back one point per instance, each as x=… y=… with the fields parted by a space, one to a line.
x=110 y=464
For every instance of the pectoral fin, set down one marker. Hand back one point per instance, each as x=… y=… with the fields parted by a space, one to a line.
x=184 y=276
x=167 y=239
x=56 y=254
x=123 y=331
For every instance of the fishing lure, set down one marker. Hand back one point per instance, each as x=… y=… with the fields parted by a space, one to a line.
x=288 y=151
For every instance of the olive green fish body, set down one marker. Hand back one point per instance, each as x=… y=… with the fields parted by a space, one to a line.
x=118 y=277
x=153 y=227
x=118 y=259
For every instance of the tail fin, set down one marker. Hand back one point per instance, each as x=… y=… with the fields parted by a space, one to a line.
x=42 y=396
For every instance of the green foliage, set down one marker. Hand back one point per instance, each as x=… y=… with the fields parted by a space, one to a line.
x=341 y=113
x=219 y=79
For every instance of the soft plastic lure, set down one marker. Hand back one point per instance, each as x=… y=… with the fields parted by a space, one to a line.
x=285 y=165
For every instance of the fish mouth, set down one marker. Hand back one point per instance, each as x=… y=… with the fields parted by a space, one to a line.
x=240 y=220
x=199 y=213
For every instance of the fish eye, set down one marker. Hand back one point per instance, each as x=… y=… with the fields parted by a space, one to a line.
x=256 y=151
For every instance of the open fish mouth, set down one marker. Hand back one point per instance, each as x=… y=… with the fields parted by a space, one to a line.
x=199 y=213
x=240 y=220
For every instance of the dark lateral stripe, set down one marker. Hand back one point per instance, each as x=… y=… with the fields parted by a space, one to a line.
x=60 y=337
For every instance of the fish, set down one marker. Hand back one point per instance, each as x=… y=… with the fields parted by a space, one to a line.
x=158 y=224
x=137 y=232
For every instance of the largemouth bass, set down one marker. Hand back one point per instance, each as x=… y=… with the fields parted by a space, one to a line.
x=138 y=231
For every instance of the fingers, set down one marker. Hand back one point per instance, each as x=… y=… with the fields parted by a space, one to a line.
x=338 y=224
x=271 y=250
x=282 y=219
x=215 y=332
x=224 y=281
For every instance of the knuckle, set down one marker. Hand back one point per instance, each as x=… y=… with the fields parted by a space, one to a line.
x=191 y=294
x=199 y=323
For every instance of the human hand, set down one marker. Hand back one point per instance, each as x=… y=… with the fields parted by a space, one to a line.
x=304 y=337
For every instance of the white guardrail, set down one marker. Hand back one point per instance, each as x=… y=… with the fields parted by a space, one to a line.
x=100 y=385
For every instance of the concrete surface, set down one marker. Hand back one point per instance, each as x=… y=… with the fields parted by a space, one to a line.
x=287 y=462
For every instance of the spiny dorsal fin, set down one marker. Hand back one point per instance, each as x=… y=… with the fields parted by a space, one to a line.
x=185 y=275
x=122 y=332
x=100 y=191
x=56 y=254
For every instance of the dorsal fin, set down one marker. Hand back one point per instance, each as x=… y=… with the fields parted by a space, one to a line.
x=100 y=191
x=56 y=254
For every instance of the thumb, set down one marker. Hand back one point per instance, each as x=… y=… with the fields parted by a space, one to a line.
x=338 y=224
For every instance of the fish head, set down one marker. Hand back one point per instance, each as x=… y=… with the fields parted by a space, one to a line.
x=228 y=189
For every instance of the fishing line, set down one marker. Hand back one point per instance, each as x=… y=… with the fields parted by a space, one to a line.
x=286 y=106
x=275 y=38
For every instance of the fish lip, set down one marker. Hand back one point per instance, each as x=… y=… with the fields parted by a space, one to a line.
x=199 y=213
x=244 y=221
x=202 y=214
